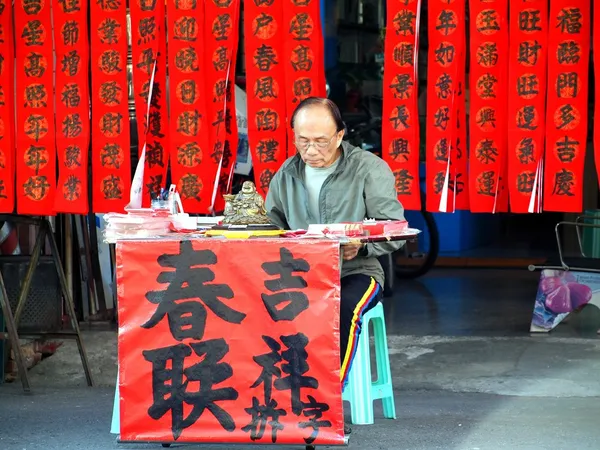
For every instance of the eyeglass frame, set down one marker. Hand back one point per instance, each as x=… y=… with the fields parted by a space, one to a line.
x=317 y=145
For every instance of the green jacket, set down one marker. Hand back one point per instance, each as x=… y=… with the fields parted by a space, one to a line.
x=363 y=186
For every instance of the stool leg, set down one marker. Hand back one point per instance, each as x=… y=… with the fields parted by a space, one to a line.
x=361 y=397
x=384 y=373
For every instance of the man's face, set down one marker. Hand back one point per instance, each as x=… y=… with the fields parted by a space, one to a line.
x=316 y=137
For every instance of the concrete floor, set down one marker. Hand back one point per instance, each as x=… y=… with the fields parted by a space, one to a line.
x=467 y=375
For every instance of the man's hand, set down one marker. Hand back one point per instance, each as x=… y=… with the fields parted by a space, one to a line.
x=350 y=251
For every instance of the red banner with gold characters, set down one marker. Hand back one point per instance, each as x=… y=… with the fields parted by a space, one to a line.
x=189 y=140
x=302 y=20
x=111 y=160
x=567 y=105
x=201 y=361
x=36 y=155
x=488 y=120
x=264 y=32
x=148 y=45
x=221 y=41
x=7 y=120
x=447 y=186
x=400 y=127
x=528 y=54
x=70 y=20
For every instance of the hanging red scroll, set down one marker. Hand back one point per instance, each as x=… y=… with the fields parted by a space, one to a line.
x=72 y=105
x=148 y=46
x=526 y=103
x=221 y=41
x=36 y=156
x=264 y=31
x=189 y=139
x=111 y=160
x=7 y=121
x=400 y=129
x=303 y=40
x=447 y=187
x=596 y=50
x=566 y=120
x=488 y=125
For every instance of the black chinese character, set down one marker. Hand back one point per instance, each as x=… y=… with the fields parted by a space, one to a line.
x=529 y=21
x=267 y=120
x=221 y=58
x=267 y=150
x=110 y=156
x=564 y=182
x=36 y=126
x=186 y=60
x=170 y=383
x=109 y=5
x=32 y=7
x=446 y=22
x=111 y=93
x=301 y=27
x=568 y=53
x=404 y=22
x=486 y=152
x=301 y=59
x=567 y=149
x=146 y=60
x=70 y=63
x=313 y=411
x=36 y=158
x=70 y=6
x=404 y=181
x=444 y=54
x=526 y=118
x=529 y=52
x=567 y=85
x=222 y=27
x=33 y=65
x=2 y=188
x=191 y=186
x=441 y=150
x=187 y=91
x=528 y=86
x=404 y=54
x=402 y=86
x=33 y=33
x=486 y=85
x=486 y=183
x=109 y=31
x=265 y=89
x=188 y=123
x=569 y=21
x=566 y=116
x=401 y=117
x=70 y=32
x=189 y=154
x=147 y=5
x=154 y=185
x=36 y=96
x=487 y=54
x=302 y=89
x=72 y=126
x=185 y=29
x=399 y=148
x=156 y=94
x=295 y=302
x=110 y=124
x=72 y=188
x=526 y=151
x=155 y=154
x=146 y=30
x=112 y=188
x=155 y=125
x=443 y=87
x=441 y=118
x=262 y=21
x=70 y=96
x=487 y=21
x=36 y=187
x=110 y=62
x=72 y=157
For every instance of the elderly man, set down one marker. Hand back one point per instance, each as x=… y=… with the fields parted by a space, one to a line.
x=330 y=181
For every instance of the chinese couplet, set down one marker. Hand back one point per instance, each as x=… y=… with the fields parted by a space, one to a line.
x=447 y=185
x=7 y=120
x=567 y=105
x=36 y=156
x=400 y=121
x=264 y=32
x=148 y=46
x=528 y=54
x=111 y=160
x=207 y=357
x=70 y=21
x=488 y=88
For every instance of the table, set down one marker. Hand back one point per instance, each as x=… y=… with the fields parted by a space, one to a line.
x=229 y=341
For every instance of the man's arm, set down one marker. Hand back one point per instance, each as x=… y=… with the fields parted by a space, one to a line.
x=274 y=206
x=382 y=202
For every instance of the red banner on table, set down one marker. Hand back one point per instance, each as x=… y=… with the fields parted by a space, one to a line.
x=447 y=186
x=528 y=54
x=400 y=130
x=190 y=143
x=111 y=159
x=567 y=106
x=70 y=20
x=203 y=359
x=302 y=20
x=7 y=119
x=36 y=155
x=265 y=33
x=148 y=44
x=488 y=120
x=221 y=41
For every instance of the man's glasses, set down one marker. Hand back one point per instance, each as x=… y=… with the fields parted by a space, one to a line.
x=304 y=144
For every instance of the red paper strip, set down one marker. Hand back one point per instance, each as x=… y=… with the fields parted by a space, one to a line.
x=304 y=39
x=596 y=50
x=447 y=187
x=70 y=19
x=222 y=30
x=36 y=154
x=111 y=159
x=488 y=121
x=567 y=106
x=225 y=348
x=148 y=44
x=400 y=130
x=190 y=147
x=265 y=32
x=528 y=54
x=7 y=119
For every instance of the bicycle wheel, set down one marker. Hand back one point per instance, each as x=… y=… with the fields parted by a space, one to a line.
x=417 y=257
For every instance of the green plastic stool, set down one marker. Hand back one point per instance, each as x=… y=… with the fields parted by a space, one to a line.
x=361 y=390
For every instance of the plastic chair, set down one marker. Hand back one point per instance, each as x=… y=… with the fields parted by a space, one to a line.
x=361 y=390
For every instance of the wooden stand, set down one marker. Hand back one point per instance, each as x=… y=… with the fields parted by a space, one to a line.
x=44 y=230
